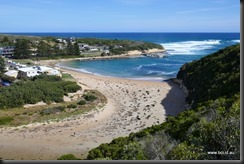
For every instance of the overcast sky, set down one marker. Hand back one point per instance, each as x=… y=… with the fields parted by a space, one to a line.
x=120 y=15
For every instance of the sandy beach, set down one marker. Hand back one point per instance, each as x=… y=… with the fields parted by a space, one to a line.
x=132 y=105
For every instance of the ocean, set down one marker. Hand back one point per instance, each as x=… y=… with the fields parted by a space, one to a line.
x=181 y=48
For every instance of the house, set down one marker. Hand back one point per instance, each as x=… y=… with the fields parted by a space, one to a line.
x=7 y=51
x=27 y=72
x=93 y=48
x=33 y=51
x=82 y=46
x=106 y=51
x=12 y=73
x=61 y=46
x=47 y=70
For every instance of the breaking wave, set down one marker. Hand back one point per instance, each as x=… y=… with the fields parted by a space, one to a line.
x=189 y=47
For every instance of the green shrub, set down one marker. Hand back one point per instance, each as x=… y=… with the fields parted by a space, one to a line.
x=72 y=106
x=68 y=157
x=90 y=97
x=81 y=102
x=72 y=88
x=40 y=88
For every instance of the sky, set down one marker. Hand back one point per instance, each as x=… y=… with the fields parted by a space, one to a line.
x=119 y=16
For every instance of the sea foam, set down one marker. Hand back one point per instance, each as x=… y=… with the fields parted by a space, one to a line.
x=189 y=47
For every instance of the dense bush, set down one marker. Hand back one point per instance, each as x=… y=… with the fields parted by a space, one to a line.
x=68 y=157
x=81 y=102
x=72 y=106
x=89 y=97
x=41 y=88
x=70 y=88
x=213 y=76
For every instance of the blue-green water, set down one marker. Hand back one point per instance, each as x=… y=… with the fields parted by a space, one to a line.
x=182 y=48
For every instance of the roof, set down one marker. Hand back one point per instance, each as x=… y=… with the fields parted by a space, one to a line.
x=42 y=68
x=11 y=71
x=27 y=69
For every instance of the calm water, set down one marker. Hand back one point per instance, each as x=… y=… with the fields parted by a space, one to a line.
x=182 y=48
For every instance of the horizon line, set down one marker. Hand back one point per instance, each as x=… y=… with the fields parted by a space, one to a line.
x=118 y=32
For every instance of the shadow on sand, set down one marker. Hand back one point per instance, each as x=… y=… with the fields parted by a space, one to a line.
x=174 y=102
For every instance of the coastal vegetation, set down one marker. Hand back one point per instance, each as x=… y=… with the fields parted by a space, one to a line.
x=50 y=90
x=208 y=130
x=56 y=111
x=40 y=88
x=120 y=46
x=2 y=65
x=53 y=47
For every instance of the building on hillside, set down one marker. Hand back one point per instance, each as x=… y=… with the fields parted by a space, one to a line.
x=12 y=73
x=61 y=46
x=7 y=51
x=61 y=41
x=82 y=46
x=27 y=72
x=93 y=48
x=33 y=51
x=106 y=51
x=47 y=70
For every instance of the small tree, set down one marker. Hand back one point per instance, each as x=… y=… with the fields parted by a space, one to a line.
x=76 y=49
x=43 y=49
x=22 y=49
x=5 y=40
x=2 y=64
x=69 y=49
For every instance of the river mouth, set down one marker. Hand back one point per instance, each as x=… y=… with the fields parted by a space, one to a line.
x=140 y=68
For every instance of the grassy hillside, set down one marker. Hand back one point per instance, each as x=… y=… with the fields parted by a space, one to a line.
x=209 y=130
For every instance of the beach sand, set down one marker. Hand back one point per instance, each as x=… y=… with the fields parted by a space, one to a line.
x=132 y=105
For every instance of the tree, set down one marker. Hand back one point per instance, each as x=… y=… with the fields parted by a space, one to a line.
x=43 y=49
x=103 y=54
x=2 y=64
x=22 y=49
x=69 y=49
x=5 y=40
x=76 y=49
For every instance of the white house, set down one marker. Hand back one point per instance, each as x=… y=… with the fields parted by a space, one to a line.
x=93 y=49
x=47 y=70
x=82 y=46
x=11 y=73
x=27 y=72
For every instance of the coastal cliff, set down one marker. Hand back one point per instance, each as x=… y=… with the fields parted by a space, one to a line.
x=209 y=130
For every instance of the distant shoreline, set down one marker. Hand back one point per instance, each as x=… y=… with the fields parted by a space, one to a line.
x=130 y=54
